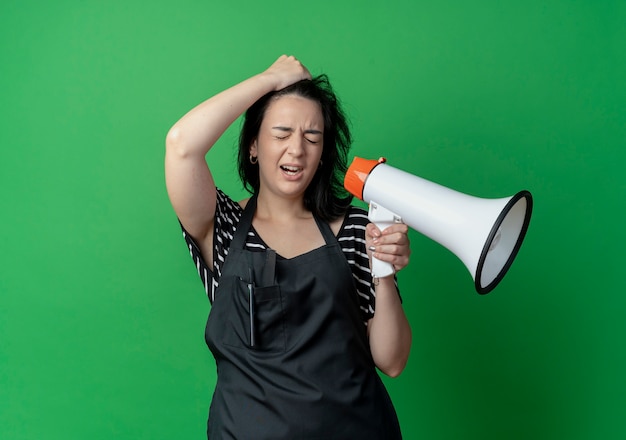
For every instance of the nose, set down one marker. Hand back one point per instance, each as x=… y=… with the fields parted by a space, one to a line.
x=296 y=146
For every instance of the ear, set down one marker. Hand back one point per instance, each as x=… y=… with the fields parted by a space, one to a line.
x=254 y=148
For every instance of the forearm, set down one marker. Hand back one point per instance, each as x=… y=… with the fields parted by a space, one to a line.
x=197 y=131
x=389 y=330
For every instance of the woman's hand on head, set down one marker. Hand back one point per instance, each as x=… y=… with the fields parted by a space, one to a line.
x=286 y=70
x=391 y=245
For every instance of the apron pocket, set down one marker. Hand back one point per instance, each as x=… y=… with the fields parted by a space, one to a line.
x=270 y=319
x=260 y=327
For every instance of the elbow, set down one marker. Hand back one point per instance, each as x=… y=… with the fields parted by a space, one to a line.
x=393 y=364
x=395 y=373
x=394 y=370
x=174 y=143
x=393 y=360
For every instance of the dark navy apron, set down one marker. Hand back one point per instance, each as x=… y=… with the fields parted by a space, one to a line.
x=292 y=353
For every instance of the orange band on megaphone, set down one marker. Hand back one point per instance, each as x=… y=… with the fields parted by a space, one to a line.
x=357 y=173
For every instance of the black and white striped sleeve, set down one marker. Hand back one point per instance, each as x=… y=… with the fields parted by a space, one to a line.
x=352 y=241
x=227 y=215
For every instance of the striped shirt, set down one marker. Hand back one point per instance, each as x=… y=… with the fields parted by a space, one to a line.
x=351 y=238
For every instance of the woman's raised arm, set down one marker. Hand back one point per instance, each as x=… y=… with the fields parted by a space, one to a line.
x=189 y=182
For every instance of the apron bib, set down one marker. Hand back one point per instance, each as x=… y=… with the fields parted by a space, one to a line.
x=292 y=354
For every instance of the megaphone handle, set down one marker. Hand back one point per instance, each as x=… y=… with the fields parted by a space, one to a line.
x=382 y=218
x=381 y=269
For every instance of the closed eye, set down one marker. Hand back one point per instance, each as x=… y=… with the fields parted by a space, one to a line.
x=317 y=136
x=283 y=133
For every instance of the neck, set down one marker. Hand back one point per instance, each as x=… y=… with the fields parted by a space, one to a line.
x=273 y=207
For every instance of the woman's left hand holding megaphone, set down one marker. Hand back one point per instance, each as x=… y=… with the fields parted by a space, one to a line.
x=388 y=330
x=390 y=245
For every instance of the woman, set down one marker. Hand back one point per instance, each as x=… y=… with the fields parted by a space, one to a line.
x=297 y=326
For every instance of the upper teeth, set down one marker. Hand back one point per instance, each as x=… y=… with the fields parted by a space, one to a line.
x=292 y=169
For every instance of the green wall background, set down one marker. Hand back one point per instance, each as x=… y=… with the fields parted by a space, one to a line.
x=101 y=310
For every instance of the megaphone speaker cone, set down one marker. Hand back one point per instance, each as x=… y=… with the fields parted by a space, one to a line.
x=503 y=242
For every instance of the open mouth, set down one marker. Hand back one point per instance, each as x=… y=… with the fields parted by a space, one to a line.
x=292 y=171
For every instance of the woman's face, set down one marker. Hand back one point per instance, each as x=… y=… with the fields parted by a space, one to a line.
x=289 y=145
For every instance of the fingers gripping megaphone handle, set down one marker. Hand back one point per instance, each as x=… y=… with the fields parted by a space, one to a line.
x=382 y=218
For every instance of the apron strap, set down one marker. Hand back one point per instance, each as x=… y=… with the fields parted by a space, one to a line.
x=269 y=269
x=327 y=233
x=241 y=232
x=268 y=272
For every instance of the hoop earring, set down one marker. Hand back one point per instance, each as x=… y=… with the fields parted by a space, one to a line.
x=254 y=160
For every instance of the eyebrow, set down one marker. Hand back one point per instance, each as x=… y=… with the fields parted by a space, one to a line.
x=287 y=129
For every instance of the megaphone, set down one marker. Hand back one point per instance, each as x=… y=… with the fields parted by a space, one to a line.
x=485 y=234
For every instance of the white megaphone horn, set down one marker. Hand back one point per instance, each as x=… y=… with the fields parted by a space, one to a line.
x=485 y=234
